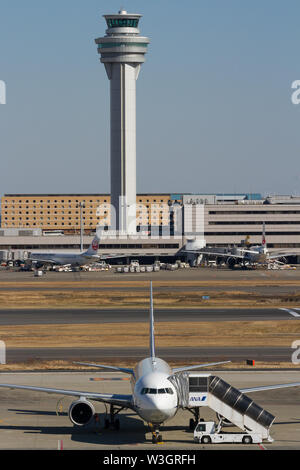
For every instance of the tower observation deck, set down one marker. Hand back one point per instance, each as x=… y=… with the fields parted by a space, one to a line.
x=122 y=52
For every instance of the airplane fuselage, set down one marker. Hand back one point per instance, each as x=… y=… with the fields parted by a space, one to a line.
x=155 y=398
x=63 y=258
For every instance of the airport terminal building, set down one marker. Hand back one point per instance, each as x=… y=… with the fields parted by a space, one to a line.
x=164 y=222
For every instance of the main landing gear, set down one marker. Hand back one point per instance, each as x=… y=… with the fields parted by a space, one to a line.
x=193 y=422
x=111 y=421
x=156 y=436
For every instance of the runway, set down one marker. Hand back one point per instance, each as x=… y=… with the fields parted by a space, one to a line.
x=212 y=354
x=85 y=316
x=134 y=354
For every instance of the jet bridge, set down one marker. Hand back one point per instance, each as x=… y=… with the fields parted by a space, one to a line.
x=197 y=390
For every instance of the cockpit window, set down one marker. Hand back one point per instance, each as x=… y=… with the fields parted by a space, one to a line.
x=154 y=391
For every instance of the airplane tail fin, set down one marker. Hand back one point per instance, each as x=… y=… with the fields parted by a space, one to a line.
x=94 y=246
x=152 y=341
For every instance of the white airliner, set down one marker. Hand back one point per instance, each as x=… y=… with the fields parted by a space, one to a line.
x=73 y=259
x=154 y=397
x=256 y=254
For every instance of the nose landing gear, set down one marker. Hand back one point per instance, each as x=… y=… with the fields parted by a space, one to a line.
x=156 y=436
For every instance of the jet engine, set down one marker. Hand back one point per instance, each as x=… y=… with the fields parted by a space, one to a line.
x=81 y=412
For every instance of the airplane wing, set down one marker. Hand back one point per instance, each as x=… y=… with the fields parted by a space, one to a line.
x=198 y=366
x=113 y=368
x=113 y=399
x=269 y=387
x=281 y=255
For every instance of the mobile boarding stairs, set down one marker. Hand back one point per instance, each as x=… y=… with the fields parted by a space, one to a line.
x=196 y=390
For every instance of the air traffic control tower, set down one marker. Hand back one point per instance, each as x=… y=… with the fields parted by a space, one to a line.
x=122 y=52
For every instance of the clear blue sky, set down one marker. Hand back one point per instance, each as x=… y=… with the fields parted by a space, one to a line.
x=213 y=98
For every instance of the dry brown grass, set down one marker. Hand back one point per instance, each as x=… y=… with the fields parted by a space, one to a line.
x=37 y=365
x=170 y=334
x=140 y=299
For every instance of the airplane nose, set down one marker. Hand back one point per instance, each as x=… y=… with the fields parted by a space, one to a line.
x=154 y=415
x=154 y=410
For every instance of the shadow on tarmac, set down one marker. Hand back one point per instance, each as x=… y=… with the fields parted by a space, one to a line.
x=295 y=420
x=37 y=412
x=133 y=431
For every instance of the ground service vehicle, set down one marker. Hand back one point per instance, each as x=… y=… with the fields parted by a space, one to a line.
x=206 y=432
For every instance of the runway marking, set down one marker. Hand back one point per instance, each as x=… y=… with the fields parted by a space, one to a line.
x=295 y=314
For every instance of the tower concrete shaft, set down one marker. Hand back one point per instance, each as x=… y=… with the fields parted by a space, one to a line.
x=122 y=52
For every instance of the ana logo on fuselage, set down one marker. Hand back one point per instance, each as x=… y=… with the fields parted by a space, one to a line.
x=198 y=398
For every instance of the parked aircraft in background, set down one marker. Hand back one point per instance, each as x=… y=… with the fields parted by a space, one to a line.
x=72 y=259
x=246 y=256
